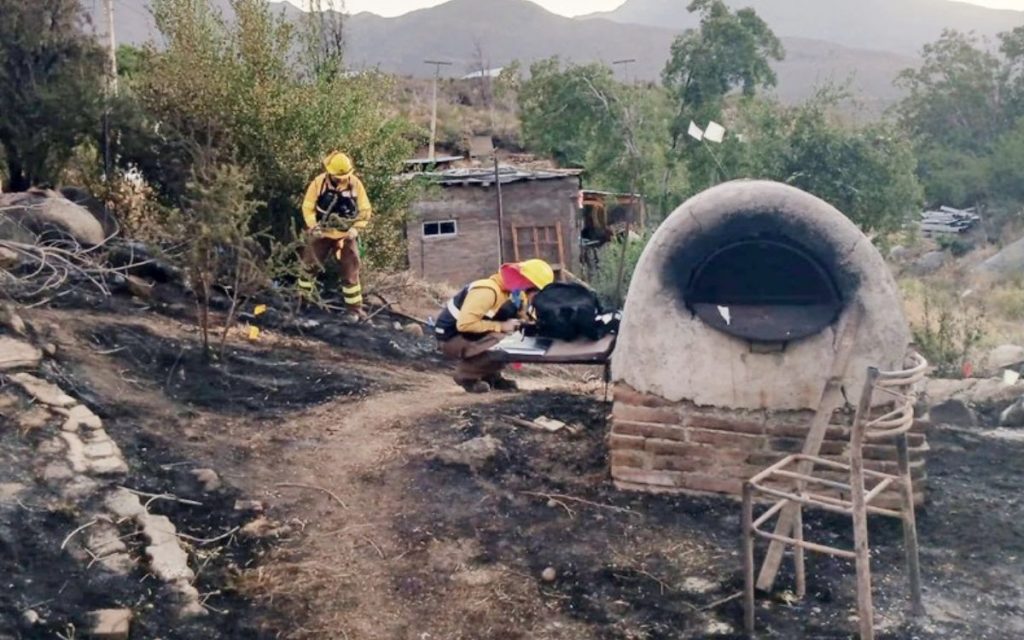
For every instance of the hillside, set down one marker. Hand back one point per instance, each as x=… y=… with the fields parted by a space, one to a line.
x=901 y=26
x=509 y=30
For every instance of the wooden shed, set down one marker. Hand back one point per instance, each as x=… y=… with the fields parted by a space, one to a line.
x=455 y=227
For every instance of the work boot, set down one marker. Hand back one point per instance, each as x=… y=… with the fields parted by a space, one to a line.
x=499 y=383
x=477 y=386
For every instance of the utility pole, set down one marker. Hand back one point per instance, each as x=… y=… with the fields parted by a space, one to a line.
x=111 y=48
x=433 y=112
x=625 y=62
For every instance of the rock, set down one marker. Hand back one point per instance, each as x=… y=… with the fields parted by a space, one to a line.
x=75 y=452
x=1009 y=262
x=39 y=212
x=43 y=391
x=10 y=319
x=50 y=349
x=1013 y=415
x=1005 y=356
x=994 y=391
x=397 y=326
x=696 y=584
x=9 y=491
x=56 y=472
x=159 y=530
x=80 y=488
x=169 y=562
x=954 y=412
x=475 y=453
x=208 y=478
x=549 y=574
x=124 y=504
x=899 y=253
x=35 y=418
x=104 y=539
x=102 y=449
x=30 y=618
x=109 y=466
x=930 y=262
x=414 y=329
x=254 y=506
x=15 y=354
x=81 y=416
x=110 y=624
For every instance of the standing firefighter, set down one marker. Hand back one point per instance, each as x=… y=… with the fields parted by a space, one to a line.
x=478 y=316
x=335 y=210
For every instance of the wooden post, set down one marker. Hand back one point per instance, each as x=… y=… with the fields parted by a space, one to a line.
x=501 y=215
x=748 y=558
x=831 y=398
x=909 y=527
x=865 y=609
x=798 y=552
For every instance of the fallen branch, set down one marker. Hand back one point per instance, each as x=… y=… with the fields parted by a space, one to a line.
x=77 y=531
x=299 y=485
x=161 y=496
x=374 y=545
x=718 y=603
x=560 y=496
x=208 y=540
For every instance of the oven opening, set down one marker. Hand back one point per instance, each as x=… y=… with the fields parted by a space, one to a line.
x=763 y=290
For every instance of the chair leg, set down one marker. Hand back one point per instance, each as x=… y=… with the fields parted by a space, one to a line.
x=748 y=559
x=910 y=528
x=865 y=608
x=798 y=553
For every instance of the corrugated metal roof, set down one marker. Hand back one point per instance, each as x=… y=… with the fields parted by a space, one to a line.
x=485 y=177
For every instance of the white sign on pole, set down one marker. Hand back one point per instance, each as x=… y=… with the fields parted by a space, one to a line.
x=715 y=132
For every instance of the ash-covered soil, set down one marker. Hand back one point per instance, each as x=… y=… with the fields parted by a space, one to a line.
x=642 y=566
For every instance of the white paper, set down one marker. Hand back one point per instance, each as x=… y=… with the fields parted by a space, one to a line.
x=695 y=131
x=715 y=132
x=1010 y=377
x=724 y=311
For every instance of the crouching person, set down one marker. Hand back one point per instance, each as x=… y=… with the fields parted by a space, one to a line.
x=479 y=316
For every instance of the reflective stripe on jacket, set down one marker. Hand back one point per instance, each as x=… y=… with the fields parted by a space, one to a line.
x=476 y=310
x=317 y=187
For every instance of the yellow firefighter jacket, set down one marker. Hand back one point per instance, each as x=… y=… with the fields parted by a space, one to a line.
x=354 y=186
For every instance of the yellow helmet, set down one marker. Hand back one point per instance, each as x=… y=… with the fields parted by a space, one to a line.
x=538 y=272
x=338 y=164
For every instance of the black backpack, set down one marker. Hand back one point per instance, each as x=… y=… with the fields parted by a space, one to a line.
x=568 y=311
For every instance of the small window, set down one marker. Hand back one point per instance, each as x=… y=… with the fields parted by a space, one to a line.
x=439 y=229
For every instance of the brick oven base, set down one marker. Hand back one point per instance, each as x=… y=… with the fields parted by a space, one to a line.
x=664 y=447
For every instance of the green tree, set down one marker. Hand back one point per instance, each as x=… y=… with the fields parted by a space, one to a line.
x=51 y=84
x=582 y=117
x=729 y=51
x=868 y=173
x=237 y=91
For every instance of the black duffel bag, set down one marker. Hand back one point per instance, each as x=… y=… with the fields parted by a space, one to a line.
x=569 y=311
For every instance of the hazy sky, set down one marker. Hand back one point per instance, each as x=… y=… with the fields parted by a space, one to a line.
x=564 y=7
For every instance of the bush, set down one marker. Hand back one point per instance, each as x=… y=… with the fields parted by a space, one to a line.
x=255 y=92
x=605 y=278
x=947 y=335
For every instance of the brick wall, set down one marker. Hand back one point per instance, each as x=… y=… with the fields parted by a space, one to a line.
x=473 y=252
x=659 y=446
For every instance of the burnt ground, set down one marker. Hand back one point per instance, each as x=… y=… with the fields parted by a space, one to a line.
x=429 y=548
x=60 y=586
x=656 y=567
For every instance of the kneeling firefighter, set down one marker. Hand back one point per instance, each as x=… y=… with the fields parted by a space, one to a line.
x=335 y=210
x=480 y=314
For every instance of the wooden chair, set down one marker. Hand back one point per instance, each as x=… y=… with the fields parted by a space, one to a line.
x=792 y=484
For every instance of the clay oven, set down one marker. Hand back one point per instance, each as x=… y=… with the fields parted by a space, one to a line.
x=729 y=334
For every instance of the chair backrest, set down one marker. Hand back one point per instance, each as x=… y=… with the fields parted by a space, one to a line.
x=899 y=386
